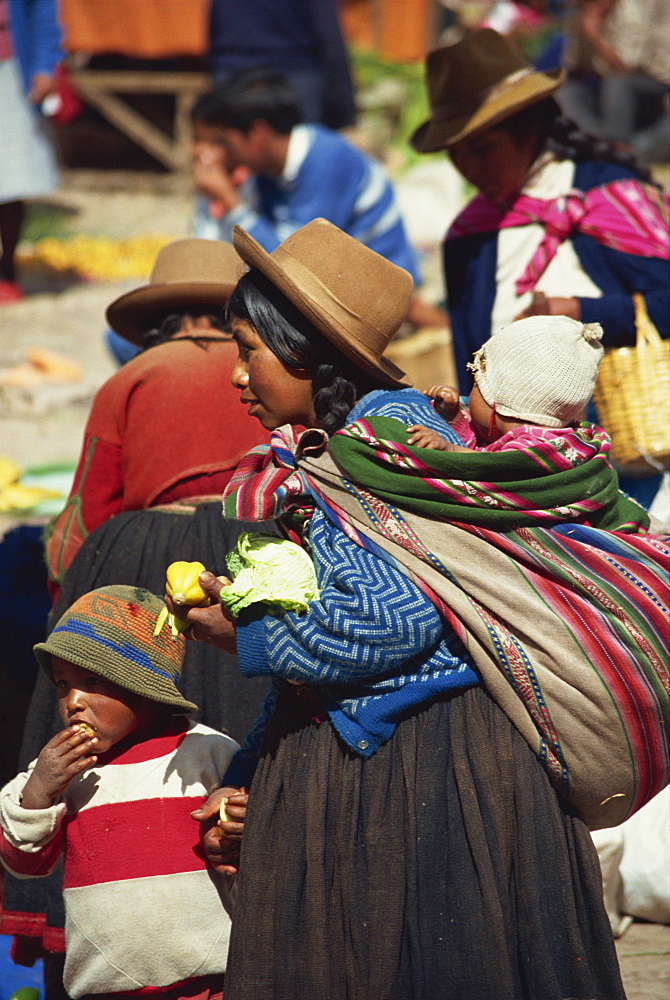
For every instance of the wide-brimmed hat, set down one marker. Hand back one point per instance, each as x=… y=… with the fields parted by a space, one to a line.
x=110 y=631
x=186 y=272
x=475 y=83
x=352 y=295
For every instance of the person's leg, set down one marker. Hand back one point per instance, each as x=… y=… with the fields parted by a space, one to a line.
x=618 y=104
x=651 y=140
x=308 y=87
x=634 y=112
x=11 y=219
x=579 y=102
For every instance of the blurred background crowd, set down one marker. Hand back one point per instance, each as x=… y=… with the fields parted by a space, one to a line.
x=117 y=138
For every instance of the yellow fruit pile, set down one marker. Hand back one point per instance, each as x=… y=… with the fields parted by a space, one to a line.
x=13 y=495
x=96 y=258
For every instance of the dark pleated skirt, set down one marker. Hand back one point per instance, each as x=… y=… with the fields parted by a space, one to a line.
x=136 y=548
x=442 y=868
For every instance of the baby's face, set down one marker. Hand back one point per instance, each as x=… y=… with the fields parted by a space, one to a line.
x=111 y=711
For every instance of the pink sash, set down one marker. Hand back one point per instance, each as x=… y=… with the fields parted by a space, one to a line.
x=626 y=215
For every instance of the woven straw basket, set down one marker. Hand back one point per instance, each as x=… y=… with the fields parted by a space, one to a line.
x=632 y=396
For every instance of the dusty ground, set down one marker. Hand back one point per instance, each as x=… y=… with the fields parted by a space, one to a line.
x=70 y=318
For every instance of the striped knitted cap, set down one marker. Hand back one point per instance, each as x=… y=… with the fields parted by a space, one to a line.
x=541 y=369
x=110 y=632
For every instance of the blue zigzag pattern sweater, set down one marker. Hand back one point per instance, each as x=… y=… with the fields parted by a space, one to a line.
x=373 y=647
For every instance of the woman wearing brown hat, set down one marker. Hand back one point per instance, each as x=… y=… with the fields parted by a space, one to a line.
x=562 y=224
x=401 y=840
x=162 y=439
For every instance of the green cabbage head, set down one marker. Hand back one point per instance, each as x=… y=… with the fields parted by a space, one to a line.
x=270 y=570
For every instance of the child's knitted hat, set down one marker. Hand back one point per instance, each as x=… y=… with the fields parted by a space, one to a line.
x=110 y=632
x=541 y=369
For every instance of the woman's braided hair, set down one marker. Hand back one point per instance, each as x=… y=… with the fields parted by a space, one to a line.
x=336 y=381
x=566 y=140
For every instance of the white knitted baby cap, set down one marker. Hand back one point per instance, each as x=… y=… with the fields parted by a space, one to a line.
x=541 y=369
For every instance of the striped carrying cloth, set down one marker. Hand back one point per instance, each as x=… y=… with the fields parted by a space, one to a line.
x=568 y=625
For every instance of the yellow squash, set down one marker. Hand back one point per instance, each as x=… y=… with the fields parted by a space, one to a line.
x=183 y=587
x=182 y=583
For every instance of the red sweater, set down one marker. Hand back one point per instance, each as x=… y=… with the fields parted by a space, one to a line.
x=143 y=909
x=167 y=425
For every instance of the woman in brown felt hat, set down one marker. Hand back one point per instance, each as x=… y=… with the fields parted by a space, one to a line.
x=161 y=442
x=563 y=224
x=400 y=840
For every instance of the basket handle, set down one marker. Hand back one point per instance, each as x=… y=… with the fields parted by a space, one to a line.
x=645 y=330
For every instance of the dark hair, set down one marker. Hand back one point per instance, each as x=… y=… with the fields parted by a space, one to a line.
x=167 y=326
x=565 y=139
x=337 y=383
x=246 y=97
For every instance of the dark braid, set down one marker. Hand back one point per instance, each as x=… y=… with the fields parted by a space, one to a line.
x=565 y=139
x=336 y=391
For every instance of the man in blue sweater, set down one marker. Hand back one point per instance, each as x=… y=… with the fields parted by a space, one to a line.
x=255 y=164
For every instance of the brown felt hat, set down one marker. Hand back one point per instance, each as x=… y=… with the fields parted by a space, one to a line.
x=476 y=83
x=186 y=272
x=352 y=295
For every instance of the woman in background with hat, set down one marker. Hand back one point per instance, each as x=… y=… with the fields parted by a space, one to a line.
x=163 y=437
x=401 y=841
x=562 y=224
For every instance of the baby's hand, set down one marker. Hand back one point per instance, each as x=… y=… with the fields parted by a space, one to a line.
x=423 y=437
x=64 y=757
x=445 y=400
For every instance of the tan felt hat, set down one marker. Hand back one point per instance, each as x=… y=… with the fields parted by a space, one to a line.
x=476 y=83
x=186 y=272
x=352 y=295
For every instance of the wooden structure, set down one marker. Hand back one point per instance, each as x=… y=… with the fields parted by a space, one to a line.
x=173 y=29
x=101 y=89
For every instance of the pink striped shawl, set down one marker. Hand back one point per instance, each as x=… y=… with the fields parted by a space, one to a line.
x=626 y=215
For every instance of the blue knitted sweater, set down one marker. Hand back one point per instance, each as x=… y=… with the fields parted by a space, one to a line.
x=372 y=647
x=335 y=181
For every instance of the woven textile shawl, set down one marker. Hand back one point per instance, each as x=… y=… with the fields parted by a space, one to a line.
x=626 y=215
x=567 y=626
x=553 y=481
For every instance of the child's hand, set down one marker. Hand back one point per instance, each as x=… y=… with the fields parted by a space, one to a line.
x=445 y=400
x=221 y=838
x=64 y=757
x=423 y=437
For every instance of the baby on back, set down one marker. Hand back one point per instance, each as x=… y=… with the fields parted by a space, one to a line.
x=533 y=380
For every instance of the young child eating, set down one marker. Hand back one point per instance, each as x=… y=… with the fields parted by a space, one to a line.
x=113 y=792
x=533 y=380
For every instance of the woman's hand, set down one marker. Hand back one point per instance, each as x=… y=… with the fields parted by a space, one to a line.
x=221 y=838
x=214 y=624
x=555 y=306
x=62 y=759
